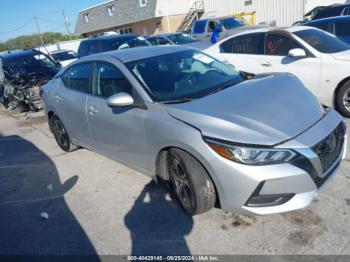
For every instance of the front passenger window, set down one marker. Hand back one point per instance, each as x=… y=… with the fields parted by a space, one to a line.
x=108 y=81
x=278 y=45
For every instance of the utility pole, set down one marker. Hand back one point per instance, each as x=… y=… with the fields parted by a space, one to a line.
x=66 y=24
x=41 y=37
x=39 y=32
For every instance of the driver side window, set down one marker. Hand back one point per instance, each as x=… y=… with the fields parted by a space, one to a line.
x=108 y=81
x=278 y=45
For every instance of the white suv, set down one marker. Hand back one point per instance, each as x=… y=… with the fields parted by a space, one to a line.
x=320 y=60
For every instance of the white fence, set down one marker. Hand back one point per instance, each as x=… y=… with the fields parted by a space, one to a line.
x=66 y=45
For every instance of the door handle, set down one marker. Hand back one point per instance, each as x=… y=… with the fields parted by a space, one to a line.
x=92 y=110
x=58 y=98
x=266 y=64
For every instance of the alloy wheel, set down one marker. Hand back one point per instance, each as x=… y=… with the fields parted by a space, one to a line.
x=60 y=133
x=346 y=99
x=181 y=183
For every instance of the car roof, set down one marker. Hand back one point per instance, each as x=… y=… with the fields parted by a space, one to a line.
x=111 y=37
x=328 y=19
x=18 y=53
x=165 y=35
x=217 y=18
x=61 y=51
x=338 y=5
x=134 y=54
x=290 y=29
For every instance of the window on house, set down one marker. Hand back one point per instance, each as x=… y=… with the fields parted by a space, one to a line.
x=110 y=10
x=86 y=17
x=143 y=3
x=159 y=26
x=248 y=2
x=124 y=31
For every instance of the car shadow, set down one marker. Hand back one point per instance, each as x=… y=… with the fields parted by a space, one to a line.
x=30 y=189
x=157 y=224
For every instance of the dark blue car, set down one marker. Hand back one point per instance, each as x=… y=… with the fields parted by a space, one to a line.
x=339 y=26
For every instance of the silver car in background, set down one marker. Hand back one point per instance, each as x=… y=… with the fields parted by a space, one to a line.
x=262 y=145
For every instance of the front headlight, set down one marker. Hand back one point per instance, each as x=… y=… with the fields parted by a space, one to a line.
x=252 y=156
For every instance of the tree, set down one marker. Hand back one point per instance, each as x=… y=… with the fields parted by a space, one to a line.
x=32 y=41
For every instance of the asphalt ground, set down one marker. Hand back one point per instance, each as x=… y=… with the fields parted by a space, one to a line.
x=96 y=206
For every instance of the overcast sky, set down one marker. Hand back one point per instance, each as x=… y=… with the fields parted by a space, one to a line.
x=16 y=15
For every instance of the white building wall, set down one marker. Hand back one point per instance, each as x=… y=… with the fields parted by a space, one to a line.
x=284 y=12
x=173 y=7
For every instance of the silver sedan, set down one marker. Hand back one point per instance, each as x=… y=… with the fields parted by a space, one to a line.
x=257 y=145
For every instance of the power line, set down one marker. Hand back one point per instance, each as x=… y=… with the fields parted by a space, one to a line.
x=18 y=28
x=49 y=20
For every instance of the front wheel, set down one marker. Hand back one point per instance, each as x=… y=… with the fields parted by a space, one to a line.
x=343 y=100
x=61 y=135
x=191 y=182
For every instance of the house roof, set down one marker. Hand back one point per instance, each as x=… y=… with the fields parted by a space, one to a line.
x=125 y=12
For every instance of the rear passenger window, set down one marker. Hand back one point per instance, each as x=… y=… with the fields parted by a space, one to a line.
x=325 y=26
x=152 y=40
x=199 y=27
x=105 y=46
x=108 y=81
x=279 y=45
x=77 y=78
x=342 y=28
x=83 y=49
x=252 y=44
x=94 y=47
x=163 y=41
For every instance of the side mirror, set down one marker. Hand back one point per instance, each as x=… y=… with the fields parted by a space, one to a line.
x=120 y=100
x=297 y=53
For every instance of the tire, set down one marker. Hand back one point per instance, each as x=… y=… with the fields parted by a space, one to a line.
x=343 y=100
x=61 y=135
x=190 y=182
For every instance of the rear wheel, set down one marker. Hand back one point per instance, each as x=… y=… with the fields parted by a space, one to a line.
x=343 y=100
x=61 y=135
x=191 y=182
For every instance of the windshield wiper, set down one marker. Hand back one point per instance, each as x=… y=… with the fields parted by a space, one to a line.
x=178 y=101
x=222 y=88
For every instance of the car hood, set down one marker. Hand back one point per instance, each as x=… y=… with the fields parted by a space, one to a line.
x=343 y=56
x=266 y=110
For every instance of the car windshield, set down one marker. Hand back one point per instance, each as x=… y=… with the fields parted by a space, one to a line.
x=179 y=39
x=183 y=76
x=230 y=23
x=321 y=41
x=29 y=61
x=63 y=56
x=129 y=43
